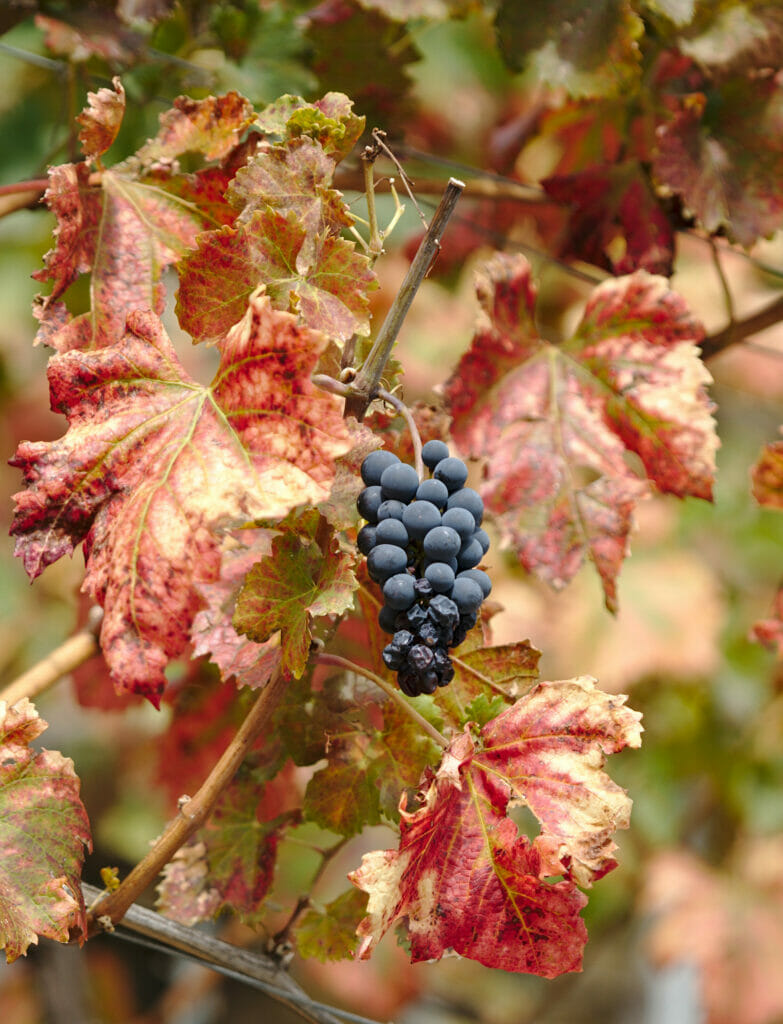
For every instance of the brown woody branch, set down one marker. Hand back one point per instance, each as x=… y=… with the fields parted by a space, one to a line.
x=193 y=812
x=63 y=659
x=739 y=330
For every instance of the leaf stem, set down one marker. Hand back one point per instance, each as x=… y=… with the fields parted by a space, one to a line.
x=335 y=659
x=192 y=814
x=369 y=376
x=737 y=331
x=63 y=659
x=404 y=411
x=304 y=902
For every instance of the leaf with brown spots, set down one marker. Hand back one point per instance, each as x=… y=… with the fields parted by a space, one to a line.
x=43 y=833
x=555 y=423
x=154 y=464
x=211 y=127
x=101 y=120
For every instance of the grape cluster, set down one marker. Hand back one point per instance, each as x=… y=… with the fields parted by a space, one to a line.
x=423 y=541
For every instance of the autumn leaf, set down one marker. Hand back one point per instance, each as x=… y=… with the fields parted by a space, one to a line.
x=555 y=423
x=465 y=880
x=101 y=120
x=43 y=833
x=767 y=476
x=329 y=121
x=154 y=463
x=299 y=581
x=330 y=934
x=615 y=220
x=251 y=664
x=325 y=280
x=211 y=127
x=461 y=860
x=589 y=48
x=735 y=37
x=722 y=154
x=505 y=671
x=184 y=892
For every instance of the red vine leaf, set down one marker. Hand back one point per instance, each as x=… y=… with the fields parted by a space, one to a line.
x=723 y=154
x=102 y=35
x=153 y=463
x=769 y=632
x=43 y=833
x=323 y=279
x=251 y=664
x=555 y=424
x=302 y=579
x=616 y=221
x=461 y=862
x=101 y=120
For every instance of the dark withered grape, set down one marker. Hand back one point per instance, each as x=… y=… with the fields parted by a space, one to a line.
x=422 y=542
x=434 y=452
x=452 y=472
x=374 y=465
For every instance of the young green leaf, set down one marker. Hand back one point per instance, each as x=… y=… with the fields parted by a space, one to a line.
x=330 y=934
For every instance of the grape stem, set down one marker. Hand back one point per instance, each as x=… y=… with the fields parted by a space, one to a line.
x=365 y=386
x=391 y=691
x=404 y=411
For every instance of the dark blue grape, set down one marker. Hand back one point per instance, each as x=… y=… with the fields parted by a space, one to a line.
x=374 y=465
x=391 y=531
x=467 y=498
x=428 y=682
x=430 y=634
x=480 y=577
x=440 y=576
x=393 y=658
x=433 y=490
x=450 y=562
x=420 y=518
x=468 y=620
x=385 y=560
x=446 y=675
x=387 y=618
x=400 y=482
x=365 y=539
x=368 y=503
x=423 y=589
x=390 y=510
x=470 y=554
x=466 y=594
x=413 y=619
x=452 y=471
x=483 y=538
x=409 y=681
x=434 y=452
x=399 y=591
x=441 y=543
x=461 y=520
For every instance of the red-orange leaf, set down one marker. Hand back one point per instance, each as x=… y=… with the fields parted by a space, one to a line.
x=323 y=279
x=555 y=423
x=43 y=832
x=154 y=462
x=767 y=476
x=212 y=127
x=101 y=119
x=466 y=881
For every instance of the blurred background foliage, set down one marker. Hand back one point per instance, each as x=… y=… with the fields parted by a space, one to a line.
x=688 y=928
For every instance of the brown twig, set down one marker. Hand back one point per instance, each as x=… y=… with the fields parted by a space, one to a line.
x=390 y=691
x=369 y=376
x=741 y=329
x=111 y=907
x=304 y=902
x=64 y=659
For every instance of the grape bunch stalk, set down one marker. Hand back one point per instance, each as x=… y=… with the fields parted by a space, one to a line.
x=423 y=541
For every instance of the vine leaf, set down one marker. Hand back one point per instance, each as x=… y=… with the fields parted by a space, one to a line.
x=323 y=279
x=300 y=580
x=556 y=424
x=154 y=463
x=184 y=892
x=251 y=664
x=212 y=127
x=101 y=120
x=43 y=833
x=330 y=934
x=461 y=859
x=722 y=153
x=329 y=121
x=616 y=221
x=767 y=478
